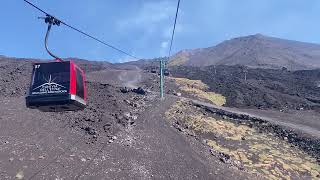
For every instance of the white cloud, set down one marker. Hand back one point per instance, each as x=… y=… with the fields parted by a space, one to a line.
x=167 y=32
x=164 y=44
x=164 y=48
x=151 y=15
x=96 y=52
x=126 y=59
x=154 y=22
x=152 y=25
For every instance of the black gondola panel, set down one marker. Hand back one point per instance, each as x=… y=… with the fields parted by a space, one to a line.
x=57 y=86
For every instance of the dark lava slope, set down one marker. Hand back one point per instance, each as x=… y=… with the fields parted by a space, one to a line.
x=263 y=89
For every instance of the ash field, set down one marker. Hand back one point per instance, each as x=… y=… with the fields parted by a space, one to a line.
x=199 y=131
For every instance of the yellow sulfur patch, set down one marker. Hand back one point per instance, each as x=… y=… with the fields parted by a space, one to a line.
x=259 y=153
x=199 y=89
x=226 y=129
x=178 y=61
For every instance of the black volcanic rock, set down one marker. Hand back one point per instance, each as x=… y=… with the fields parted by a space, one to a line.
x=263 y=89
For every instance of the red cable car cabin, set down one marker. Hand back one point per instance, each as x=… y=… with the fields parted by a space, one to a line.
x=57 y=86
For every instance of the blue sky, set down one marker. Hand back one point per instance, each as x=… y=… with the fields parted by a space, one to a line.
x=143 y=27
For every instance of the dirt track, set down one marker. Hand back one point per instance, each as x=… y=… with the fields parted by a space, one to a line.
x=293 y=121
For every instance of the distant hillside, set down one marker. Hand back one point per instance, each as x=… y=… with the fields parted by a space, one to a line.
x=86 y=65
x=262 y=89
x=254 y=51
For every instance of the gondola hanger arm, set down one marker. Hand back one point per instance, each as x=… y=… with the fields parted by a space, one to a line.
x=50 y=20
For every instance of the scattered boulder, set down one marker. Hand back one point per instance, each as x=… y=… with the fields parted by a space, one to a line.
x=125 y=90
x=41 y=157
x=20 y=175
x=178 y=126
x=130 y=116
x=90 y=131
x=224 y=157
x=107 y=127
x=139 y=90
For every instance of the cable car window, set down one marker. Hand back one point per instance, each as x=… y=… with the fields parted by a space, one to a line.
x=80 y=88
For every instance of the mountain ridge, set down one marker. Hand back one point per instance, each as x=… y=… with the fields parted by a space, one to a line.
x=258 y=51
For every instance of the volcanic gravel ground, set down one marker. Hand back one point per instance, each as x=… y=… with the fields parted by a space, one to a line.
x=108 y=112
x=264 y=88
x=154 y=150
x=14 y=77
x=121 y=134
x=300 y=127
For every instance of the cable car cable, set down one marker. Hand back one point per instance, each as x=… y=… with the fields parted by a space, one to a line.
x=174 y=28
x=82 y=32
x=163 y=62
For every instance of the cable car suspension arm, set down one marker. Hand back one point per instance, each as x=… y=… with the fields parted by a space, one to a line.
x=50 y=20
